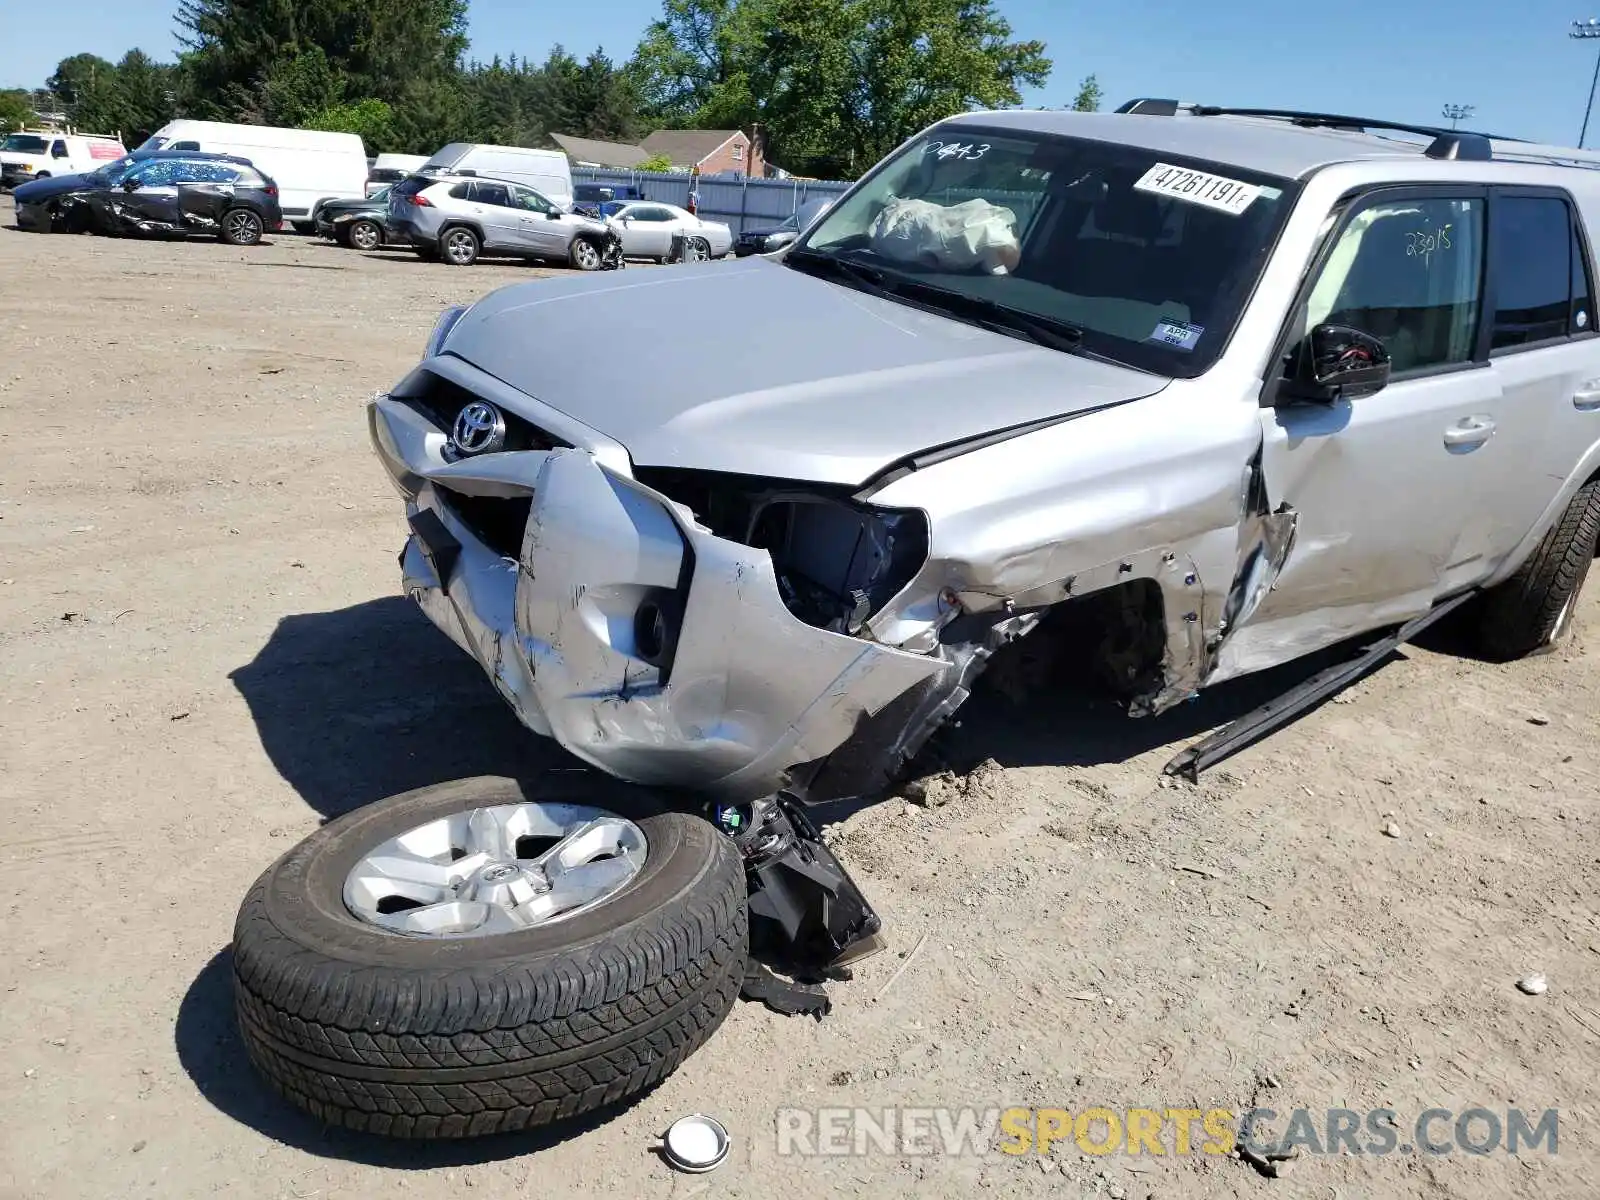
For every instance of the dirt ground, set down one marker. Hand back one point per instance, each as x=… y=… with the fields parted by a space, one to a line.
x=203 y=654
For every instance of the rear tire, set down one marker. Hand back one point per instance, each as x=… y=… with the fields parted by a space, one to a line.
x=241 y=227
x=440 y=1037
x=459 y=246
x=1532 y=610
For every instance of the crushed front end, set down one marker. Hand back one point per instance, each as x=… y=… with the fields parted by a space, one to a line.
x=719 y=644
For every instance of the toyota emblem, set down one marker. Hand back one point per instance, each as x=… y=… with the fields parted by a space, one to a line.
x=479 y=429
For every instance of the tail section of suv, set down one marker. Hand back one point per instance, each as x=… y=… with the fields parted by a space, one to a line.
x=456 y=218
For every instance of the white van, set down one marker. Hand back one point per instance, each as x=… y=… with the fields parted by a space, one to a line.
x=308 y=165
x=30 y=154
x=545 y=171
x=392 y=168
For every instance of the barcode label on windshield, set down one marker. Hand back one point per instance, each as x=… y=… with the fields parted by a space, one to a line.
x=1197 y=187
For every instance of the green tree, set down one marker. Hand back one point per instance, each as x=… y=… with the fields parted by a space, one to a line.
x=145 y=96
x=835 y=84
x=656 y=162
x=1089 y=95
x=602 y=99
x=294 y=88
x=16 y=109
x=372 y=119
x=248 y=58
x=87 y=87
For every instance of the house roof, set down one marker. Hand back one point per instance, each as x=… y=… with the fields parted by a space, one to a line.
x=686 y=147
x=605 y=154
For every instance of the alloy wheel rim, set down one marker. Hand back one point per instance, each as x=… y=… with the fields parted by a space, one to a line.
x=500 y=869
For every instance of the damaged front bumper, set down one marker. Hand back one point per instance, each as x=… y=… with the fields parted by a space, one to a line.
x=611 y=620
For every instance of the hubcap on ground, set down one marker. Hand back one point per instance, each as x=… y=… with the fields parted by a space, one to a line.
x=496 y=870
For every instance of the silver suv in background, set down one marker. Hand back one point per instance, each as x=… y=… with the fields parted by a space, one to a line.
x=458 y=217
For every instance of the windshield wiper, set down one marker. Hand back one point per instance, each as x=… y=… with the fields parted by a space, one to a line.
x=980 y=310
x=868 y=279
x=993 y=315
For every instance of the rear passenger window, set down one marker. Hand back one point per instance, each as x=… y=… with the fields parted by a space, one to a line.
x=461 y=191
x=492 y=193
x=1540 y=282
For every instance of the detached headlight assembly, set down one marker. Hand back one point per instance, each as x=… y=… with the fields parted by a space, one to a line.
x=441 y=329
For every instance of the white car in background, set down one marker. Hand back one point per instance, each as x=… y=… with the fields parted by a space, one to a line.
x=647 y=228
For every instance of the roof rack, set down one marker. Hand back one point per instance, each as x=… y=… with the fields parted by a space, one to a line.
x=1446 y=143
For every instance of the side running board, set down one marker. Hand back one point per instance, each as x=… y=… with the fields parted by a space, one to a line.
x=1276 y=713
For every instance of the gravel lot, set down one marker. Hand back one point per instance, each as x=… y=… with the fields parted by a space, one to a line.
x=203 y=654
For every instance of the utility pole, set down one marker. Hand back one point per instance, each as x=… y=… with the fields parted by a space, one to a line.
x=1458 y=112
x=1583 y=30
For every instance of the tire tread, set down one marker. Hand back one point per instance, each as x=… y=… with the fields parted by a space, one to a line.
x=496 y=1045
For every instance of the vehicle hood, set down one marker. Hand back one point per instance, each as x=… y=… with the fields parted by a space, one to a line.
x=753 y=367
x=333 y=208
x=57 y=185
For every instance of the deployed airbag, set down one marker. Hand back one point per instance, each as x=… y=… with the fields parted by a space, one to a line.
x=972 y=235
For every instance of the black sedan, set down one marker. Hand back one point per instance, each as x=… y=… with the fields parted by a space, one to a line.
x=360 y=223
x=156 y=193
x=765 y=241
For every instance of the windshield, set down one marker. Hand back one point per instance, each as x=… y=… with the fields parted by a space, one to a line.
x=25 y=143
x=612 y=207
x=152 y=143
x=113 y=172
x=1144 y=258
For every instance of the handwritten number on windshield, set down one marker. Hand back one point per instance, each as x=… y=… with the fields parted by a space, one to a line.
x=958 y=150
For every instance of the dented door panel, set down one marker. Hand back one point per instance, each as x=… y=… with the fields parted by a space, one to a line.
x=1392 y=514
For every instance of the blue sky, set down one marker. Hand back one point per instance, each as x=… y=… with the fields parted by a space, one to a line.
x=1401 y=60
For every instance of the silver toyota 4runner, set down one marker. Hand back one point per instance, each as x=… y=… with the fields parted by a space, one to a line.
x=1188 y=392
x=1244 y=385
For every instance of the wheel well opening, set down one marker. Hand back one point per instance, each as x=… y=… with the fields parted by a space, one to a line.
x=1111 y=642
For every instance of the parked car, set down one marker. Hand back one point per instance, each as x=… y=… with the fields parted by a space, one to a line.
x=43 y=154
x=161 y=193
x=591 y=199
x=456 y=218
x=648 y=229
x=764 y=241
x=547 y=172
x=388 y=169
x=1185 y=393
x=363 y=224
x=310 y=165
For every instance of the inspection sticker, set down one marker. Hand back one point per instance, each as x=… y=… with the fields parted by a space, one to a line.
x=1197 y=187
x=1176 y=334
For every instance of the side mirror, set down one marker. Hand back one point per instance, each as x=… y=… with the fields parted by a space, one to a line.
x=552 y=214
x=130 y=185
x=1339 y=362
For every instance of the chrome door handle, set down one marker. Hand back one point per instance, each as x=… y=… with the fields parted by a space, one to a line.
x=1587 y=398
x=1472 y=431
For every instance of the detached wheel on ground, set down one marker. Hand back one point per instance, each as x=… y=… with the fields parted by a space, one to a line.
x=241 y=227
x=487 y=955
x=364 y=235
x=1532 y=610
